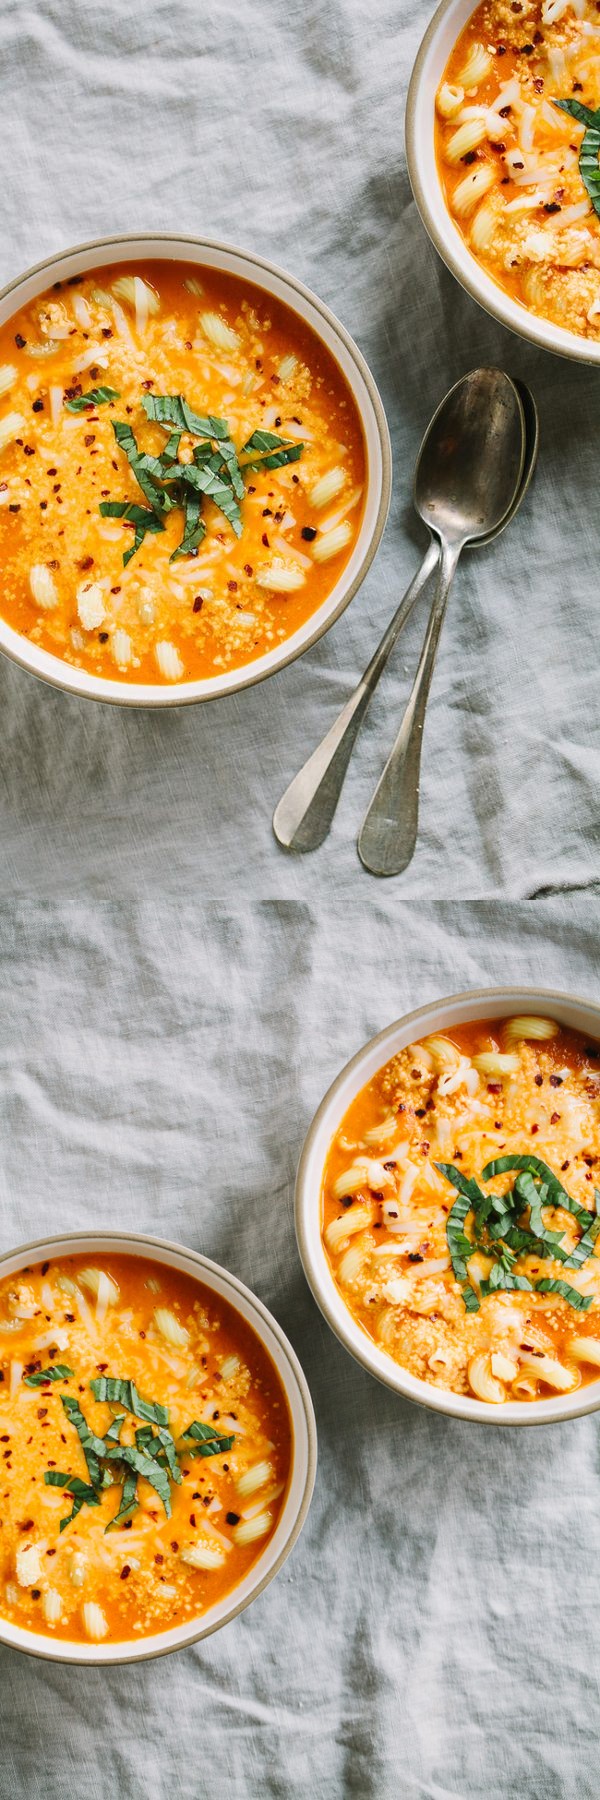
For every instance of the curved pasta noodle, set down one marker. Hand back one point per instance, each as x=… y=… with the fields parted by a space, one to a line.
x=467 y=137
x=539 y=1030
x=356 y=1219
x=472 y=189
x=586 y=1350
x=483 y=1383
x=483 y=227
x=449 y=100
x=477 y=66
x=550 y=1370
x=444 y=1053
x=495 y=1062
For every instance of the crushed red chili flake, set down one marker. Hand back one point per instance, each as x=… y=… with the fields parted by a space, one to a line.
x=556 y=1080
x=20 y=341
x=554 y=1118
x=125 y=1571
x=158 y=1558
x=38 y=406
x=539 y=1080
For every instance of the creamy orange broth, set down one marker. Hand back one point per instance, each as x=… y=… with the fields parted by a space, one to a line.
x=386 y=1206
x=511 y=177
x=136 y=1574
x=234 y=599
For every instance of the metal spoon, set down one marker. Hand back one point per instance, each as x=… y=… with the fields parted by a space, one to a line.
x=305 y=813
x=469 y=473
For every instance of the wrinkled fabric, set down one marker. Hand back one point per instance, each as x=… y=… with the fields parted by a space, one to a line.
x=433 y=1633
x=176 y=994
x=282 y=128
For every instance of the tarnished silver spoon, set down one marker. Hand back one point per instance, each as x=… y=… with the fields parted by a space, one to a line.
x=469 y=472
x=305 y=813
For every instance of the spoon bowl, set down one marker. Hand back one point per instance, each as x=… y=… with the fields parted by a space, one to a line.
x=470 y=465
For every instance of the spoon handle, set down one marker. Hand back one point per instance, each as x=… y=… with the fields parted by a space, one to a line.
x=304 y=815
x=389 y=831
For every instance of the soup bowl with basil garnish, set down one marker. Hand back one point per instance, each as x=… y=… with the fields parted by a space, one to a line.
x=448 y=1206
x=194 y=469
x=158 y=1447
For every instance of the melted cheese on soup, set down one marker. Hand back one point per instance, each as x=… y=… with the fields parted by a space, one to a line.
x=212 y=412
x=145 y=1447
x=509 y=157
x=461 y=1215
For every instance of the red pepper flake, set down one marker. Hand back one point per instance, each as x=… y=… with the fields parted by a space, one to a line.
x=35 y=1592
x=90 y=439
x=174 y=1544
x=554 y=1118
x=158 y=1558
x=248 y=569
x=125 y=1571
x=51 y=1552
x=85 y=562
x=534 y=1128
x=198 y=604
x=494 y=1087
x=193 y=1519
x=20 y=341
x=42 y=1412
x=232 y=585
x=26 y=1525
x=15 y=508
x=38 y=406
x=539 y=1080
x=556 y=1080
x=264 y=535
x=28 y=450
x=564 y=1166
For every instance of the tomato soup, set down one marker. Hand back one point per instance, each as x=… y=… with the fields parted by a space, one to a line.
x=181 y=472
x=145 y=1447
x=518 y=150
x=461 y=1215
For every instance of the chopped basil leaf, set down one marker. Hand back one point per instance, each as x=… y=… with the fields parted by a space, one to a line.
x=580 y=1301
x=172 y=409
x=124 y=1393
x=140 y=516
x=203 y=1440
x=96 y=397
x=256 y=451
x=128 y=1499
x=499 y=1234
x=146 y=1466
x=57 y=1372
x=93 y=1447
x=589 y=167
x=82 y=1495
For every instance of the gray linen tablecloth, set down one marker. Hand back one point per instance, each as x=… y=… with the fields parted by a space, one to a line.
x=175 y=994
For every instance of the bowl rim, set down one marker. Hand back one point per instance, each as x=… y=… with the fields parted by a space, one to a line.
x=448 y=241
x=261 y=270
x=133 y=1650
x=586 y=1399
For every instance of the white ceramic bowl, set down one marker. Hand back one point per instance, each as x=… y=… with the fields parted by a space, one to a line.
x=377 y=446
x=481 y=1003
x=446 y=25
x=304 y=1445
